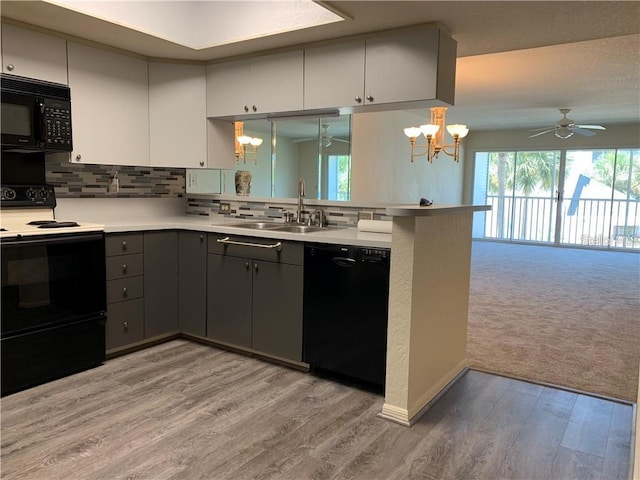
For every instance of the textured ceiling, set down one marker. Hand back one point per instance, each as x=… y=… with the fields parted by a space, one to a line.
x=518 y=61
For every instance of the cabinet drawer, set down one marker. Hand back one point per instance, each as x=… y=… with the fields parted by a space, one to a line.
x=124 y=289
x=291 y=252
x=123 y=244
x=125 y=323
x=124 y=266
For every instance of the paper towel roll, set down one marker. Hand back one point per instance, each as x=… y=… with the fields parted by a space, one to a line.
x=378 y=226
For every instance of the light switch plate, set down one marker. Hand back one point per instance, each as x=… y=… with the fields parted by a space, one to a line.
x=365 y=215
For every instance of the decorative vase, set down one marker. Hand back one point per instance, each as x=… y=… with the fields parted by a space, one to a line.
x=243 y=182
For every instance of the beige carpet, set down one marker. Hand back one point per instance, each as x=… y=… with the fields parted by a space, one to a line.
x=568 y=317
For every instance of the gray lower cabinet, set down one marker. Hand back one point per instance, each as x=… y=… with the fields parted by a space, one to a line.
x=276 y=326
x=160 y=283
x=254 y=296
x=125 y=304
x=229 y=294
x=192 y=283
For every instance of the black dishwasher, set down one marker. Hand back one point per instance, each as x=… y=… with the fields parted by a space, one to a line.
x=346 y=298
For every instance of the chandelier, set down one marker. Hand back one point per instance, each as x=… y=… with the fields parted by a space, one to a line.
x=246 y=146
x=434 y=133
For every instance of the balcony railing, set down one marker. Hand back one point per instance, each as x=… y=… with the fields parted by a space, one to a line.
x=586 y=221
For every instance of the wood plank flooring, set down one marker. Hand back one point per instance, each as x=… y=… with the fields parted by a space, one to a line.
x=187 y=411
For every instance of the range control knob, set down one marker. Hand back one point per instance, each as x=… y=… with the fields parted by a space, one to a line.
x=44 y=193
x=31 y=193
x=8 y=194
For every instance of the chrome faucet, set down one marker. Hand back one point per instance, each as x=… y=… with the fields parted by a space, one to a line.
x=300 y=197
x=320 y=218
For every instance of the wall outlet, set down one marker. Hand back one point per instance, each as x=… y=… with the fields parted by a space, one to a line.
x=365 y=215
x=225 y=207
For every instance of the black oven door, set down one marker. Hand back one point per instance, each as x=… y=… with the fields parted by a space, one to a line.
x=53 y=308
x=52 y=280
x=20 y=125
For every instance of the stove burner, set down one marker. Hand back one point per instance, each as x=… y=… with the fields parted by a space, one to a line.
x=55 y=224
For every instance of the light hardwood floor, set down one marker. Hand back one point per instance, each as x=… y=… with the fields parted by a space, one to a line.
x=185 y=411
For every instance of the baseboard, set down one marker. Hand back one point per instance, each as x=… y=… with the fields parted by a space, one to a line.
x=425 y=402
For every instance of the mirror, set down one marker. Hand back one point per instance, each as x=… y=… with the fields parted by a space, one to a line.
x=317 y=150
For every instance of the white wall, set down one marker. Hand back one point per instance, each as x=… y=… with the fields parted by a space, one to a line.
x=381 y=166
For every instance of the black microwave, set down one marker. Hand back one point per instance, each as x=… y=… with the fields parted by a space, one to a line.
x=35 y=116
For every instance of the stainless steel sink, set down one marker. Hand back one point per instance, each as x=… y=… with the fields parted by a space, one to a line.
x=279 y=227
x=299 y=229
x=257 y=225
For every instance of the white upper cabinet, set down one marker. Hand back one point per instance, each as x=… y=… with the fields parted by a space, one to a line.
x=33 y=54
x=177 y=115
x=109 y=107
x=334 y=76
x=410 y=66
x=256 y=86
x=413 y=65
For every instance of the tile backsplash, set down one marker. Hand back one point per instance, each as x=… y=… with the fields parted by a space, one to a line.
x=261 y=210
x=92 y=181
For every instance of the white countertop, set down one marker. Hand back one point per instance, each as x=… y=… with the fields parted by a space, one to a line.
x=431 y=210
x=345 y=236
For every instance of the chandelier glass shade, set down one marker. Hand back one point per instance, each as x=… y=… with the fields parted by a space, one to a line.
x=434 y=133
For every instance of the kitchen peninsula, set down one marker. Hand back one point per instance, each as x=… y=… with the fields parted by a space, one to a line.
x=429 y=287
x=428 y=305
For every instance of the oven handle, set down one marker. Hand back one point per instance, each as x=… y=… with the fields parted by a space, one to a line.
x=55 y=239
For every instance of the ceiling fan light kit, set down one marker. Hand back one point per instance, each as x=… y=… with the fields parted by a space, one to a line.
x=565 y=128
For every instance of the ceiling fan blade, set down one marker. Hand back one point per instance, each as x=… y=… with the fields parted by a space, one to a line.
x=592 y=127
x=543 y=132
x=583 y=132
x=543 y=128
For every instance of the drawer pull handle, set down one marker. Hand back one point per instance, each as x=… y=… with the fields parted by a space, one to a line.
x=124 y=292
x=125 y=324
x=124 y=268
x=124 y=245
x=274 y=246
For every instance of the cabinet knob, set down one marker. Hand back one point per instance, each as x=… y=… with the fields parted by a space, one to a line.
x=201 y=238
x=124 y=245
x=246 y=108
x=10 y=67
x=124 y=268
x=124 y=291
x=125 y=324
x=369 y=98
x=358 y=99
x=254 y=108
x=246 y=265
x=78 y=157
x=255 y=267
x=201 y=163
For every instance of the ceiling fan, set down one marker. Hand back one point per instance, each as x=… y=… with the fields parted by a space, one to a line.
x=325 y=139
x=565 y=127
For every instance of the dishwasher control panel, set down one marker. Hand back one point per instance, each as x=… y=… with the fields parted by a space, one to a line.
x=373 y=255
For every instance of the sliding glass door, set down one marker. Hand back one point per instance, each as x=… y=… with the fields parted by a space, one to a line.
x=564 y=197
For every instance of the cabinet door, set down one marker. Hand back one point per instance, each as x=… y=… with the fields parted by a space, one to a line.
x=278 y=82
x=192 y=283
x=277 y=309
x=229 y=88
x=272 y=83
x=402 y=67
x=160 y=283
x=33 y=54
x=229 y=299
x=110 y=107
x=177 y=115
x=334 y=76
x=125 y=323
